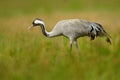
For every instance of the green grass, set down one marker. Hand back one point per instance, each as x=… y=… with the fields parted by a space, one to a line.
x=29 y=55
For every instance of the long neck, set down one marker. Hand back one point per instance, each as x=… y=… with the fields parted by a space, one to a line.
x=44 y=31
x=51 y=34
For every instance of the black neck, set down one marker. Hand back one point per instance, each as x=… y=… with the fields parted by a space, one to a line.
x=44 y=30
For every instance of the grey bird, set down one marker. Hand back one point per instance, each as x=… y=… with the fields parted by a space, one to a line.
x=73 y=29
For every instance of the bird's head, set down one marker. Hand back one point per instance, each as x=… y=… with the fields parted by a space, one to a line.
x=37 y=22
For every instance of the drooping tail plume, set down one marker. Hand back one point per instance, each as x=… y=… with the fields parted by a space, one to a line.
x=105 y=34
x=108 y=40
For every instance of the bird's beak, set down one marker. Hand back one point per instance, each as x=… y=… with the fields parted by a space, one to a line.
x=31 y=26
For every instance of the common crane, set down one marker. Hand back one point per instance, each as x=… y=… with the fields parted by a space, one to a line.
x=73 y=29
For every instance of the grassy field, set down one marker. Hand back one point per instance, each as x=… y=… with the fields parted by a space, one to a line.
x=29 y=55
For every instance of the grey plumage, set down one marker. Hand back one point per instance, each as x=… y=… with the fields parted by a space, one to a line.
x=73 y=29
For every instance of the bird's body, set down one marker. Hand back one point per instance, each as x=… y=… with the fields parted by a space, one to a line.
x=73 y=29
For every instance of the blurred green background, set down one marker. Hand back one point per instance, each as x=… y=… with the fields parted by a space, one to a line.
x=28 y=55
x=18 y=7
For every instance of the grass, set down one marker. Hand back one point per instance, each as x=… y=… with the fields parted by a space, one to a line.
x=29 y=55
x=17 y=8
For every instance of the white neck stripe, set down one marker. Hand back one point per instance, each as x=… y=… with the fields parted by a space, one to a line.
x=39 y=22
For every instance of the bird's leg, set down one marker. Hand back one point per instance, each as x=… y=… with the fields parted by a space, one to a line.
x=76 y=43
x=71 y=42
x=71 y=46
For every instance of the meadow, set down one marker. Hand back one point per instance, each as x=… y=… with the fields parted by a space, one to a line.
x=29 y=55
